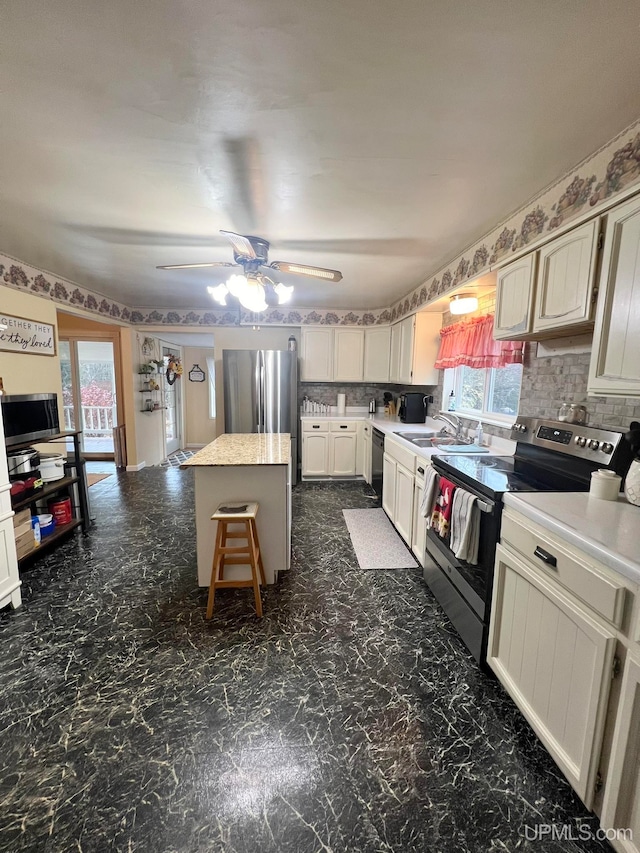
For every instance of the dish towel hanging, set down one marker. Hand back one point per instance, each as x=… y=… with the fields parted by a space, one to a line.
x=428 y=493
x=441 y=515
x=465 y=526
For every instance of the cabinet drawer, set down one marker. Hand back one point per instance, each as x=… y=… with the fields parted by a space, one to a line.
x=400 y=454
x=315 y=426
x=574 y=570
x=343 y=426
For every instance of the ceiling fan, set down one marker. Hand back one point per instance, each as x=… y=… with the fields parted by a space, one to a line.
x=250 y=286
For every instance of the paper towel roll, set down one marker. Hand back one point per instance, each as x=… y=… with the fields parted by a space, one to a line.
x=342 y=404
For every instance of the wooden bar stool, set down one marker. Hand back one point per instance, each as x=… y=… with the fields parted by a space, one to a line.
x=244 y=517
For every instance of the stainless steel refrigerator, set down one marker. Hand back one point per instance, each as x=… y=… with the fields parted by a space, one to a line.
x=261 y=393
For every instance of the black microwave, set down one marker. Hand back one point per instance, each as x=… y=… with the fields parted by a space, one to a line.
x=29 y=417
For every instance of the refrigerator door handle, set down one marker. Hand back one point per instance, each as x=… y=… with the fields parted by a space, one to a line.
x=260 y=397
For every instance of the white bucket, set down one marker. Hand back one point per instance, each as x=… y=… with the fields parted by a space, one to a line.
x=51 y=466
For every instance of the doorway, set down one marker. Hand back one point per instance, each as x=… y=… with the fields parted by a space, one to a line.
x=90 y=393
x=172 y=403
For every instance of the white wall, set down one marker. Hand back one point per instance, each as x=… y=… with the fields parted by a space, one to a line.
x=199 y=428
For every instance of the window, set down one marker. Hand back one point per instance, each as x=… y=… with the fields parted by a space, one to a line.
x=490 y=391
x=211 y=369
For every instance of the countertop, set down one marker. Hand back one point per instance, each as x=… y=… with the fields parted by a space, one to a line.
x=243 y=449
x=609 y=531
x=394 y=427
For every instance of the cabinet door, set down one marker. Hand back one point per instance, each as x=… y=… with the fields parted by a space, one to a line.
x=621 y=804
x=394 y=353
x=343 y=454
x=426 y=343
x=407 y=328
x=315 y=454
x=565 y=279
x=389 y=485
x=403 y=513
x=377 y=354
x=555 y=661
x=316 y=355
x=368 y=450
x=615 y=357
x=514 y=299
x=419 y=535
x=348 y=355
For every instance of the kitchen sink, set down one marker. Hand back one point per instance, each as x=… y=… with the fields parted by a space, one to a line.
x=439 y=441
x=413 y=436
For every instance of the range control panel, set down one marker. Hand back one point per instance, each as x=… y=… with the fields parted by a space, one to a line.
x=597 y=445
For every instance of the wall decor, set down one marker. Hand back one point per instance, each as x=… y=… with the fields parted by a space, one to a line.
x=196 y=374
x=28 y=336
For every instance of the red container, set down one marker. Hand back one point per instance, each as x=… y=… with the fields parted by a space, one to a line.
x=61 y=511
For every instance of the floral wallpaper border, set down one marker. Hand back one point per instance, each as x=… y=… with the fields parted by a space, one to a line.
x=600 y=177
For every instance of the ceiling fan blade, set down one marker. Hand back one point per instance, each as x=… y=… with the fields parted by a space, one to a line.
x=303 y=269
x=194 y=266
x=241 y=245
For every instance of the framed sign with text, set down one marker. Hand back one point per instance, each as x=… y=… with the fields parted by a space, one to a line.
x=28 y=336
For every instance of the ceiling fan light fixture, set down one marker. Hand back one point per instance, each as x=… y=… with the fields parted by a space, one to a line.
x=252 y=296
x=219 y=293
x=282 y=292
x=236 y=284
x=463 y=303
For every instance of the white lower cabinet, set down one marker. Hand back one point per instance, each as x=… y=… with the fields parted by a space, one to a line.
x=621 y=804
x=555 y=660
x=366 y=450
x=403 y=511
x=389 y=466
x=315 y=454
x=330 y=448
x=419 y=534
x=343 y=454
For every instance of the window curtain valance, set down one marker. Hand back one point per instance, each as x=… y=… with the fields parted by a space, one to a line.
x=471 y=343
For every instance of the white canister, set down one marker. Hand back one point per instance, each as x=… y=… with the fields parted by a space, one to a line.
x=342 y=404
x=605 y=485
x=632 y=483
x=51 y=466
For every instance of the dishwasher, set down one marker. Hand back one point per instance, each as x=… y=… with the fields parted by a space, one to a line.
x=377 y=442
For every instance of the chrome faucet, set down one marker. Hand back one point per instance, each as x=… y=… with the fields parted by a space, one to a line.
x=454 y=422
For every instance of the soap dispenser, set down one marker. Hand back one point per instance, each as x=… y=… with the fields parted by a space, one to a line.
x=479 y=434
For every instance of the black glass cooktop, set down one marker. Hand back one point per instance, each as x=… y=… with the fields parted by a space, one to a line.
x=494 y=475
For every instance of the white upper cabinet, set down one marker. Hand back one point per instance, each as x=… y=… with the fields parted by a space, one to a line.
x=514 y=299
x=348 y=355
x=414 y=348
x=377 y=351
x=331 y=355
x=394 y=355
x=316 y=354
x=549 y=292
x=615 y=357
x=566 y=278
x=407 y=332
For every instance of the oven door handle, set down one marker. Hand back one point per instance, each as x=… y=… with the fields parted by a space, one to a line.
x=485 y=506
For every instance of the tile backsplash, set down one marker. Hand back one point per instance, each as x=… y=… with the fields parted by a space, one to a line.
x=359 y=393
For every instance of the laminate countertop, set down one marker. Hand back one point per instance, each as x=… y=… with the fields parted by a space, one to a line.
x=609 y=531
x=243 y=449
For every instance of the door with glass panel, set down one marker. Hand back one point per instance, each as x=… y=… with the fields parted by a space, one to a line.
x=89 y=393
x=172 y=404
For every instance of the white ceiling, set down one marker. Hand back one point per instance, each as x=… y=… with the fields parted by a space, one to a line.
x=376 y=138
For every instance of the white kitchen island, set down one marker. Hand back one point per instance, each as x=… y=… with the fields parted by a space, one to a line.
x=239 y=468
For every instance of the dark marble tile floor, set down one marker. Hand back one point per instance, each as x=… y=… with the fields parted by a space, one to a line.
x=350 y=718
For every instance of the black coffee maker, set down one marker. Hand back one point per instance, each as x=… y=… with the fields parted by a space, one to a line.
x=413 y=408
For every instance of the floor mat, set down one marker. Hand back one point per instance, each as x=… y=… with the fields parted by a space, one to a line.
x=92 y=479
x=375 y=541
x=176 y=459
